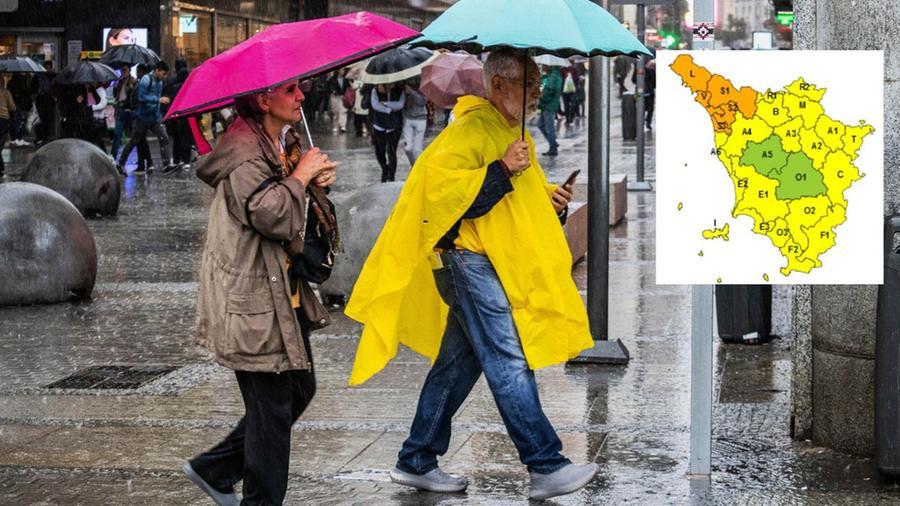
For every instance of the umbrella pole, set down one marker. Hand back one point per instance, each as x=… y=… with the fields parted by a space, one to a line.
x=306 y=127
x=524 y=91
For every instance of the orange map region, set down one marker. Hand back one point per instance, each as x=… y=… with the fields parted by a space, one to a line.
x=720 y=98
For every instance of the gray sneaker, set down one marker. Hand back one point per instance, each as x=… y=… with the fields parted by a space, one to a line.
x=432 y=481
x=563 y=481
x=220 y=498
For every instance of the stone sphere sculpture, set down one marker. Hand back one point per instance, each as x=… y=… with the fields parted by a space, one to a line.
x=80 y=172
x=360 y=220
x=47 y=252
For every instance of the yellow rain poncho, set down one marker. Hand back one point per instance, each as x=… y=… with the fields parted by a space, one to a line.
x=395 y=296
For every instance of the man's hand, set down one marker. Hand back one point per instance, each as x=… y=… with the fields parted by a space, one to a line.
x=516 y=157
x=561 y=197
x=163 y=100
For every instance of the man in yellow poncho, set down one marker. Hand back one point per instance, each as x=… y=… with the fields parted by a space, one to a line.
x=472 y=270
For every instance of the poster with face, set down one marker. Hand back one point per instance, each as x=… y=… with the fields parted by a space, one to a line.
x=119 y=36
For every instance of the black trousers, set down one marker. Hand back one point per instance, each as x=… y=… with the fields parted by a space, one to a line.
x=386 y=152
x=259 y=448
x=180 y=133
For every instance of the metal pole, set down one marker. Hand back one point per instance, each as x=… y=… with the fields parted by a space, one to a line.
x=701 y=379
x=701 y=329
x=639 y=184
x=604 y=351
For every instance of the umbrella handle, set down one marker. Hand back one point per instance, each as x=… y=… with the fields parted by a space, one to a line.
x=306 y=127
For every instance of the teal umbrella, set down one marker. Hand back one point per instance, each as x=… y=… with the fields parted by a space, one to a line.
x=559 y=27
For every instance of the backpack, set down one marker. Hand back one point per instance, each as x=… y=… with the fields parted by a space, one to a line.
x=349 y=98
x=366 y=91
x=133 y=96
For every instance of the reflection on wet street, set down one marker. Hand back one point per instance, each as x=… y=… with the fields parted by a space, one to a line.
x=126 y=446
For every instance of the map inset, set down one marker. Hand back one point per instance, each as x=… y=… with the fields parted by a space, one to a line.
x=791 y=164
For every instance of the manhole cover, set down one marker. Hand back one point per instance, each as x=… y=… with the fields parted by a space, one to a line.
x=104 y=377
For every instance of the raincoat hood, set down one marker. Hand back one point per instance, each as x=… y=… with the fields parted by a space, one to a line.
x=243 y=141
x=395 y=296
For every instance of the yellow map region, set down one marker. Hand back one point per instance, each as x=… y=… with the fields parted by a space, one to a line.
x=789 y=162
x=716 y=233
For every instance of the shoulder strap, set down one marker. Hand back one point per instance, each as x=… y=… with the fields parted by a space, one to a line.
x=262 y=186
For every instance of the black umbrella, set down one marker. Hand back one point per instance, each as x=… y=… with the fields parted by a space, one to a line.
x=87 y=72
x=129 y=54
x=19 y=64
x=397 y=65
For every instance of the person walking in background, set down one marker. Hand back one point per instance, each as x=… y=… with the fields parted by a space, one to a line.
x=415 y=120
x=7 y=108
x=147 y=115
x=179 y=130
x=580 y=89
x=121 y=97
x=360 y=113
x=621 y=67
x=649 y=92
x=551 y=86
x=337 y=86
x=568 y=95
x=97 y=99
x=387 y=124
x=45 y=103
x=21 y=93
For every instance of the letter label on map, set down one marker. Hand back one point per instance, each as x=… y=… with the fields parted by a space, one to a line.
x=742 y=183
x=770 y=94
x=803 y=105
x=775 y=111
x=840 y=174
x=809 y=210
x=804 y=86
x=747 y=131
x=781 y=232
x=767 y=154
x=800 y=176
x=764 y=194
x=824 y=235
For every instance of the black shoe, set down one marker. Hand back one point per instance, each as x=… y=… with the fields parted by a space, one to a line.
x=140 y=170
x=169 y=169
x=552 y=152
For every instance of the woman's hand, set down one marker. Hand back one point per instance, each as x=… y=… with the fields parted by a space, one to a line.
x=312 y=164
x=325 y=178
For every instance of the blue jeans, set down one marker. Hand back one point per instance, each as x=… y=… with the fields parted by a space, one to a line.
x=547 y=125
x=123 y=126
x=480 y=336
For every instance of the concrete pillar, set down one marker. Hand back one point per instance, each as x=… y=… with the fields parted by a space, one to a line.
x=834 y=326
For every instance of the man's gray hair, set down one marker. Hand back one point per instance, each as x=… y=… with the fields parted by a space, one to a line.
x=504 y=63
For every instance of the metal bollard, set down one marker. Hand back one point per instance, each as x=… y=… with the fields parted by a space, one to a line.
x=887 y=357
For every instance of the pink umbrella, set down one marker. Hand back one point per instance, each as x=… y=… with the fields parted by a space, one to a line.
x=450 y=76
x=283 y=53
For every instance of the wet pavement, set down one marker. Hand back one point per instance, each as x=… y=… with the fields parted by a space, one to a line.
x=125 y=446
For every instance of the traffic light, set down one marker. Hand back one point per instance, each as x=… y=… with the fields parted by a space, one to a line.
x=668 y=39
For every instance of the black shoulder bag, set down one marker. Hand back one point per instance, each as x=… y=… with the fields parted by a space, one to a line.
x=321 y=241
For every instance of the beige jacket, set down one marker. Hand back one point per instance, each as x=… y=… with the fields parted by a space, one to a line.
x=244 y=313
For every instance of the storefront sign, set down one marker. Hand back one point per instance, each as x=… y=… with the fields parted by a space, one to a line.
x=187 y=24
x=73 y=51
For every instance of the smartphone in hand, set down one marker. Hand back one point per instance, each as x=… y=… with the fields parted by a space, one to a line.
x=571 y=179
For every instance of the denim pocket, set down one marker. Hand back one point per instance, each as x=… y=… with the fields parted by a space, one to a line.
x=443 y=280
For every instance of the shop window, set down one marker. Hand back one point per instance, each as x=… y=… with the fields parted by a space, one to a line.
x=7 y=45
x=193 y=36
x=230 y=31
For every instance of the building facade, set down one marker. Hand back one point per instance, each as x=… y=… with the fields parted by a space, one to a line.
x=62 y=30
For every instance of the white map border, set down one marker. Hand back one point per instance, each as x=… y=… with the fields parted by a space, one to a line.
x=854 y=82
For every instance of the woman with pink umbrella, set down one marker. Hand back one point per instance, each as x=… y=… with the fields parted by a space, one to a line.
x=255 y=306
